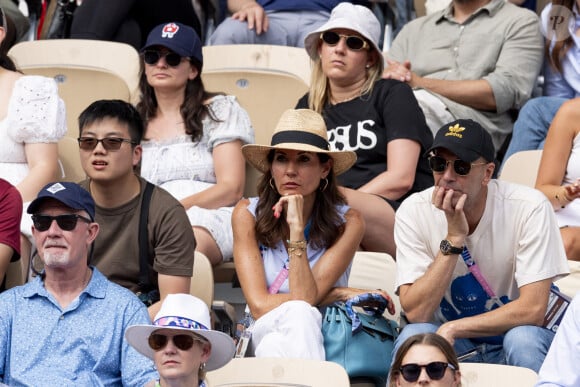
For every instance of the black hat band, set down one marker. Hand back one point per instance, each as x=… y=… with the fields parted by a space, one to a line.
x=299 y=137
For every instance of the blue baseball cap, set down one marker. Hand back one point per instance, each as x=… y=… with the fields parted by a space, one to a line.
x=70 y=194
x=177 y=37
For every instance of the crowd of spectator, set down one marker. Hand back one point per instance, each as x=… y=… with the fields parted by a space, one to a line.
x=395 y=152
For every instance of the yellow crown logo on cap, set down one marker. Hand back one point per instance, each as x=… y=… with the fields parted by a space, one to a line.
x=455 y=131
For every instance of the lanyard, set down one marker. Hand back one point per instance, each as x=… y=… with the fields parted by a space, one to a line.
x=476 y=272
x=283 y=274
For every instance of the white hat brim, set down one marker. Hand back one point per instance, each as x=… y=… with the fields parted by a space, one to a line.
x=222 y=345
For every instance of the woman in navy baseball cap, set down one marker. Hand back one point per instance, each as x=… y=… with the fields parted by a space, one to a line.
x=193 y=138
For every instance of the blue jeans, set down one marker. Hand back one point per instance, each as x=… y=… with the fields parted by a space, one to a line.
x=531 y=127
x=523 y=346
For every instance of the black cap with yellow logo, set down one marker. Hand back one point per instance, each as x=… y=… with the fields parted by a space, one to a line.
x=467 y=139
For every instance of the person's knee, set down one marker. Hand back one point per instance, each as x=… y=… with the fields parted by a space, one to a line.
x=527 y=346
x=231 y=31
x=411 y=330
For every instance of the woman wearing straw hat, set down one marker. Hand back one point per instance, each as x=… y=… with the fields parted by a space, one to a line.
x=294 y=243
x=378 y=119
x=181 y=342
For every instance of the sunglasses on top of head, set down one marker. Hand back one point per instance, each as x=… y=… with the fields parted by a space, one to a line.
x=66 y=222
x=151 y=57
x=435 y=370
x=109 y=143
x=158 y=341
x=353 y=42
x=462 y=168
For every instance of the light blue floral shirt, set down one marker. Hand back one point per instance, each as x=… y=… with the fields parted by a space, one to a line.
x=82 y=345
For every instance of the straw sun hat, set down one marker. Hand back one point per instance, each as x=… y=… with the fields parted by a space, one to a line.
x=184 y=312
x=303 y=130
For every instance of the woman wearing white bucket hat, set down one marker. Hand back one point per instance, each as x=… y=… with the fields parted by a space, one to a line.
x=378 y=119
x=293 y=244
x=181 y=342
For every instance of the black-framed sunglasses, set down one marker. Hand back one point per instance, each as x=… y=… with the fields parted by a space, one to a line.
x=353 y=42
x=66 y=222
x=435 y=370
x=158 y=341
x=152 y=56
x=109 y=143
x=462 y=168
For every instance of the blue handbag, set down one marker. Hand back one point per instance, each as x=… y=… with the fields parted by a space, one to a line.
x=363 y=348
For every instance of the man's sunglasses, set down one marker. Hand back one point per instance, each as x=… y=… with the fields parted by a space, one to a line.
x=462 y=168
x=353 y=42
x=152 y=56
x=435 y=370
x=66 y=222
x=109 y=143
x=158 y=341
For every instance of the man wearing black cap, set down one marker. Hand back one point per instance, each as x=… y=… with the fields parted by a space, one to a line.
x=67 y=325
x=476 y=257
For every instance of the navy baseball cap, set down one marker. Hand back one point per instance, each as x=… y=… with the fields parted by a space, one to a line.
x=177 y=37
x=467 y=139
x=70 y=194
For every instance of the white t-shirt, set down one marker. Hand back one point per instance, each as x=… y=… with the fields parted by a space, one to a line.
x=516 y=242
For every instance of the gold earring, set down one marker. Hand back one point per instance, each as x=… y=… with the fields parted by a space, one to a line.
x=322 y=189
x=271 y=182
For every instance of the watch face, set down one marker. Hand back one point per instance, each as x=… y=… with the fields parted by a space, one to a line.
x=445 y=246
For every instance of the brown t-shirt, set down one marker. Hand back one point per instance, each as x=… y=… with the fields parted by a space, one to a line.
x=171 y=239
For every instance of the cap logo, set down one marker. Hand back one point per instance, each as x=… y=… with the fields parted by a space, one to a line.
x=55 y=188
x=169 y=30
x=179 y=322
x=455 y=131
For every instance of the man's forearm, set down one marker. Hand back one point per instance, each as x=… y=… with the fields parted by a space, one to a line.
x=236 y=5
x=477 y=94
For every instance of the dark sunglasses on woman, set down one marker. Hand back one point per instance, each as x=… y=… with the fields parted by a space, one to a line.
x=158 y=341
x=66 y=222
x=462 y=168
x=435 y=370
x=109 y=143
x=151 y=57
x=353 y=42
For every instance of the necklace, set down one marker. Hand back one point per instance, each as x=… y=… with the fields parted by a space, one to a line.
x=335 y=101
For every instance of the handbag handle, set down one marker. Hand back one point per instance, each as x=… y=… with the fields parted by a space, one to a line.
x=379 y=302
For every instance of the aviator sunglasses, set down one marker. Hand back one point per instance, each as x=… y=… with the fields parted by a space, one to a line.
x=158 y=341
x=109 y=143
x=435 y=370
x=152 y=56
x=462 y=168
x=66 y=222
x=353 y=42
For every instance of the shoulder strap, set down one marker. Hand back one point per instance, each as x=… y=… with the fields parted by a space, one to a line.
x=144 y=282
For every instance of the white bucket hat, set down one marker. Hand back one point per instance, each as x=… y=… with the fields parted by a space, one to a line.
x=352 y=17
x=184 y=312
x=303 y=130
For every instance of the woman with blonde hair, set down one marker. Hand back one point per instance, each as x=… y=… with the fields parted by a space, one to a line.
x=379 y=119
x=425 y=358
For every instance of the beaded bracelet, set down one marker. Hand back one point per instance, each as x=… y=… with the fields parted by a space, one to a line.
x=296 y=247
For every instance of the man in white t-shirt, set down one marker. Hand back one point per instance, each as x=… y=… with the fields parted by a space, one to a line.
x=492 y=311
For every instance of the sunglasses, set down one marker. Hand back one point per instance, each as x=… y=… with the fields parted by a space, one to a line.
x=353 y=42
x=435 y=370
x=151 y=57
x=109 y=143
x=462 y=168
x=66 y=222
x=158 y=341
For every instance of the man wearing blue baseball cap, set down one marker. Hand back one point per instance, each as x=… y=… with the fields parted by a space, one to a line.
x=476 y=257
x=67 y=325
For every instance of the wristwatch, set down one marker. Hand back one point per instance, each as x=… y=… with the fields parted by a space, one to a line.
x=447 y=248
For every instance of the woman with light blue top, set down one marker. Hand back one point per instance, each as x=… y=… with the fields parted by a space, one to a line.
x=294 y=243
